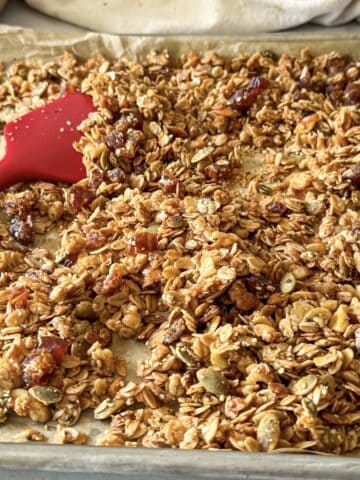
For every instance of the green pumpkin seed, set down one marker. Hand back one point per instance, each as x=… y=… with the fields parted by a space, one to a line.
x=206 y=206
x=71 y=414
x=85 y=311
x=105 y=159
x=266 y=187
x=46 y=395
x=213 y=381
x=184 y=354
x=108 y=407
x=79 y=347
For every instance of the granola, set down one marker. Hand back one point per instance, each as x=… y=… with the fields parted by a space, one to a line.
x=218 y=224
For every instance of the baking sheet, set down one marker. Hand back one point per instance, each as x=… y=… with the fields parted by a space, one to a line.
x=18 y=44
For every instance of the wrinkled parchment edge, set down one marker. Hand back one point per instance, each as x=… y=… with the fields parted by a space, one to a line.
x=18 y=44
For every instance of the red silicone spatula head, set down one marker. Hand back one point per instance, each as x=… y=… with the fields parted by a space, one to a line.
x=39 y=144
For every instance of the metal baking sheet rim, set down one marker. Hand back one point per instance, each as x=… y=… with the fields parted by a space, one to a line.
x=176 y=464
x=17 y=43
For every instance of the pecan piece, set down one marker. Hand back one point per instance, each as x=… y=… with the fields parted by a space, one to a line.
x=243 y=299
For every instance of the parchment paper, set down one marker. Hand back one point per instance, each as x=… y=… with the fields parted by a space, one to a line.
x=19 y=44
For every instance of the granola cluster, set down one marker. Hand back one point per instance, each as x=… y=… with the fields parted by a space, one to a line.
x=219 y=224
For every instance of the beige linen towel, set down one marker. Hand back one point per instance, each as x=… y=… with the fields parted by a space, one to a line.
x=198 y=16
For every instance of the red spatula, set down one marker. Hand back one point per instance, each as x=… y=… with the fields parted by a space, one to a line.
x=39 y=144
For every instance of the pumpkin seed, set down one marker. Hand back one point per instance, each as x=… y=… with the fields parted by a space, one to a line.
x=46 y=395
x=266 y=188
x=206 y=206
x=184 y=354
x=213 y=381
x=85 y=311
x=105 y=159
x=268 y=431
x=287 y=283
x=202 y=154
x=278 y=414
x=70 y=414
x=319 y=315
x=304 y=385
x=108 y=407
x=79 y=347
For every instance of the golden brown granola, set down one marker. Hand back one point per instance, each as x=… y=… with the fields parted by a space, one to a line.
x=219 y=223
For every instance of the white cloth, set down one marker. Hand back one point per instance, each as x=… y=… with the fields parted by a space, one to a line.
x=198 y=16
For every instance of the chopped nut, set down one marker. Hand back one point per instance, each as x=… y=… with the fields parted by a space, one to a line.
x=31 y=435
x=243 y=299
x=217 y=359
x=70 y=435
x=339 y=320
x=300 y=181
x=145 y=242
